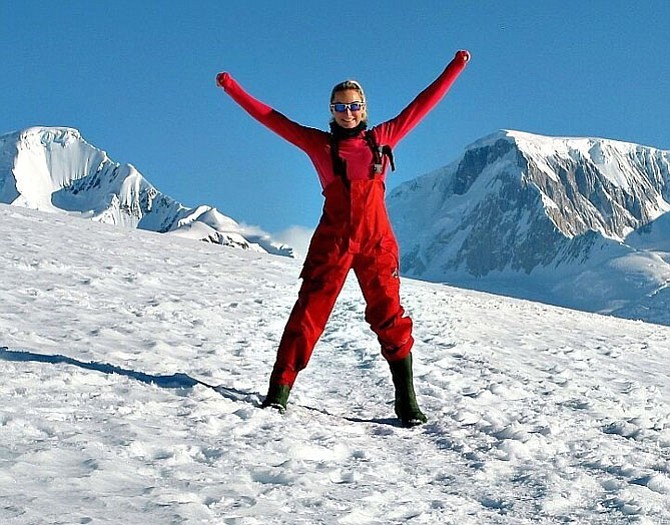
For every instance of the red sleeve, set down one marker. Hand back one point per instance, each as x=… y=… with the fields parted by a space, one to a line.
x=295 y=133
x=392 y=131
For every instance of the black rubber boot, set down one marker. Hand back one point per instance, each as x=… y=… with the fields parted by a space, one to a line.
x=277 y=397
x=406 y=407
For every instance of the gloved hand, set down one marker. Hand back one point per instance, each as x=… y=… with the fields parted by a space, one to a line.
x=463 y=55
x=222 y=79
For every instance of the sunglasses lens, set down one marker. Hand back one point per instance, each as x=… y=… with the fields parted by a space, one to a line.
x=353 y=106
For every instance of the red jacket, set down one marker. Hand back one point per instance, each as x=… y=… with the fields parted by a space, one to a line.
x=355 y=152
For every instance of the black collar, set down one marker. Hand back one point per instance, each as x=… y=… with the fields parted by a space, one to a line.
x=340 y=133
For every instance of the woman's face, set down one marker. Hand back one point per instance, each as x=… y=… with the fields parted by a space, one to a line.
x=348 y=118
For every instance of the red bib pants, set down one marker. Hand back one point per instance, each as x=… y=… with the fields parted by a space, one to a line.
x=354 y=233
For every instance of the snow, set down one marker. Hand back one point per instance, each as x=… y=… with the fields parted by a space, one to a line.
x=572 y=221
x=613 y=158
x=61 y=157
x=134 y=365
x=54 y=169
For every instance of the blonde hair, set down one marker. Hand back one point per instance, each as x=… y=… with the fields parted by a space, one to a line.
x=345 y=86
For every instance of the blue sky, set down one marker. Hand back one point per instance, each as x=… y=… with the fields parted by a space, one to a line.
x=137 y=79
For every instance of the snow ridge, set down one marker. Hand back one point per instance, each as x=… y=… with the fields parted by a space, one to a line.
x=54 y=169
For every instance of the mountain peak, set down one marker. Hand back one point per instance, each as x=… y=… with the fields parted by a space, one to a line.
x=54 y=169
x=519 y=207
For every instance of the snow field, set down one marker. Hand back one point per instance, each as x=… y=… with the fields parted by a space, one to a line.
x=111 y=336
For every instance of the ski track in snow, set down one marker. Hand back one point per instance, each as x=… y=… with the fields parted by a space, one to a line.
x=134 y=365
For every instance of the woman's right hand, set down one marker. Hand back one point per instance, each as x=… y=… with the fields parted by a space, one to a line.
x=222 y=79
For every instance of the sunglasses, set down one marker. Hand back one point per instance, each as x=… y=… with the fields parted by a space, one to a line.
x=340 y=107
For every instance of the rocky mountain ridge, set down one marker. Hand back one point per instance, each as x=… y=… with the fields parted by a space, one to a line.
x=558 y=219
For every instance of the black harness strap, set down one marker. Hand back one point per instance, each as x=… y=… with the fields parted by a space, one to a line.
x=378 y=153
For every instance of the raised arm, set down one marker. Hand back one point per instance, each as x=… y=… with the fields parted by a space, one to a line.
x=392 y=131
x=292 y=131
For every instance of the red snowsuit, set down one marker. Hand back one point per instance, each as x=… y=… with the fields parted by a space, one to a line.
x=354 y=231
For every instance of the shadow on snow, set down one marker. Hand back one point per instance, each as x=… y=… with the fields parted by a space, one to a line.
x=177 y=380
x=174 y=381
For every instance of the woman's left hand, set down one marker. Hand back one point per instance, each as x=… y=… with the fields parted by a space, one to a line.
x=464 y=55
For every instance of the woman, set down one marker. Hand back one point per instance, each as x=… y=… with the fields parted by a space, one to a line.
x=354 y=231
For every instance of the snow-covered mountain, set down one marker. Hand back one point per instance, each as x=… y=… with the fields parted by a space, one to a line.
x=55 y=169
x=580 y=222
